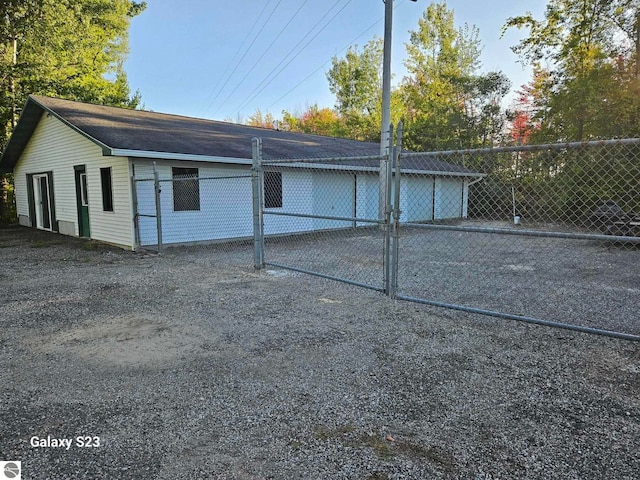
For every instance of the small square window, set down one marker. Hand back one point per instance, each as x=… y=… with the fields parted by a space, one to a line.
x=186 y=189
x=272 y=189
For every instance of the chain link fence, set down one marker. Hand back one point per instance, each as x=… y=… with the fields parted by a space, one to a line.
x=197 y=205
x=321 y=216
x=546 y=234
x=551 y=235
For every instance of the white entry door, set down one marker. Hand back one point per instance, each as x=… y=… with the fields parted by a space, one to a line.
x=42 y=201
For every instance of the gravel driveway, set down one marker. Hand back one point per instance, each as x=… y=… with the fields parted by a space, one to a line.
x=191 y=365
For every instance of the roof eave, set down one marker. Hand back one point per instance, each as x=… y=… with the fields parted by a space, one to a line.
x=375 y=170
x=27 y=123
x=153 y=155
x=18 y=140
x=188 y=157
x=443 y=173
x=105 y=148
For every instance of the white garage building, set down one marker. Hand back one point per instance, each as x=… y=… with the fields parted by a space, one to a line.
x=86 y=170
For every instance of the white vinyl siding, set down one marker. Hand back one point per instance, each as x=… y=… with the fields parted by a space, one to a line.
x=55 y=147
x=422 y=197
x=226 y=208
x=46 y=151
x=333 y=196
x=416 y=197
x=116 y=226
x=448 y=198
x=367 y=194
x=297 y=188
x=226 y=203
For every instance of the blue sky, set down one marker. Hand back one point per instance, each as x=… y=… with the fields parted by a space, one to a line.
x=220 y=59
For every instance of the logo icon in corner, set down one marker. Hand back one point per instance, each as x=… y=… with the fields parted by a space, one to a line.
x=10 y=470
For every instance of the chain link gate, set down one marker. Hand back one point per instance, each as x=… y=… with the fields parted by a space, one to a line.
x=320 y=216
x=550 y=235
x=542 y=234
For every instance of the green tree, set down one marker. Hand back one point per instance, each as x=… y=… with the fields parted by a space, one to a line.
x=322 y=121
x=314 y=120
x=449 y=105
x=481 y=121
x=290 y=121
x=258 y=119
x=356 y=81
x=588 y=90
x=72 y=49
x=592 y=49
x=68 y=48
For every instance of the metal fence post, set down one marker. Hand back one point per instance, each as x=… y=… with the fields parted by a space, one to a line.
x=257 y=188
x=383 y=176
x=157 y=190
x=395 y=229
x=136 y=213
x=387 y=216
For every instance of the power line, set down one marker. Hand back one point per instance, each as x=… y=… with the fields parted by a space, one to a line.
x=267 y=80
x=262 y=56
x=244 y=54
x=246 y=37
x=321 y=66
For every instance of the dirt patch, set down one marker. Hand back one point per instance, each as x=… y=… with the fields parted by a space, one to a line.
x=134 y=340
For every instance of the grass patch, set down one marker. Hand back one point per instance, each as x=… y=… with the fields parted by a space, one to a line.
x=378 y=476
x=45 y=243
x=324 y=433
x=433 y=454
x=383 y=448
x=93 y=246
x=386 y=448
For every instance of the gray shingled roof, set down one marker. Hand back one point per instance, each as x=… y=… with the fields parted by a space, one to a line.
x=116 y=128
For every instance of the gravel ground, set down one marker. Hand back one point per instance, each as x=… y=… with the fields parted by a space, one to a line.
x=191 y=365
x=577 y=282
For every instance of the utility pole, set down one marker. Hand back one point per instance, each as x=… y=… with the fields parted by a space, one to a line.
x=386 y=77
x=385 y=132
x=386 y=110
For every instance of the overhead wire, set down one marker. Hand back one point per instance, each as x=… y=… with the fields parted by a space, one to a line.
x=244 y=55
x=321 y=66
x=267 y=80
x=224 y=75
x=314 y=71
x=250 y=70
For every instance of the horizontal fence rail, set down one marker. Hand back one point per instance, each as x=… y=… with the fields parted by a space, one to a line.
x=549 y=234
x=324 y=217
x=527 y=233
x=524 y=319
x=541 y=234
x=200 y=205
x=320 y=216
